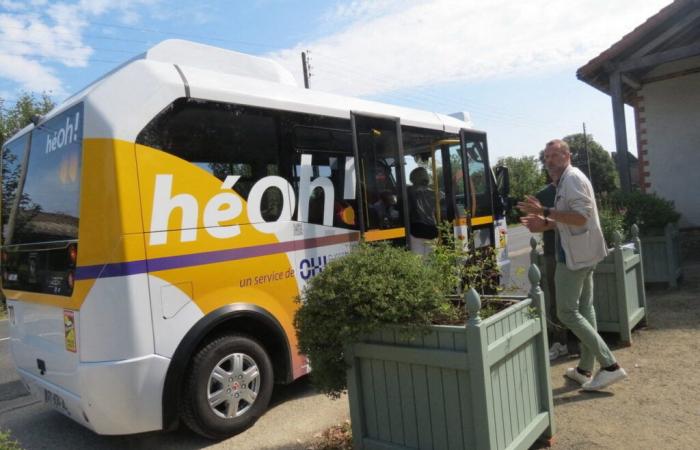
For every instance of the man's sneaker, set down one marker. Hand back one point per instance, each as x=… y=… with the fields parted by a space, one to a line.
x=605 y=378
x=557 y=350
x=574 y=374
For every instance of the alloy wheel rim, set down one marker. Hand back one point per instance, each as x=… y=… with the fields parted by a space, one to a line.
x=233 y=386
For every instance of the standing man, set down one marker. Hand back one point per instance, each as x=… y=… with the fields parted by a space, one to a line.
x=562 y=341
x=579 y=246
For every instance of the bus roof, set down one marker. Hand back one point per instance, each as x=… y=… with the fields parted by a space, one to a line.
x=120 y=103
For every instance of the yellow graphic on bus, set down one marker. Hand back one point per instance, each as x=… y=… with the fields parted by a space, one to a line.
x=69 y=328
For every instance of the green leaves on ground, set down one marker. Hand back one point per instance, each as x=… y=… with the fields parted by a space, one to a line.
x=7 y=443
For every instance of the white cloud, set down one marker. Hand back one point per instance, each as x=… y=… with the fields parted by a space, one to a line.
x=18 y=67
x=361 y=9
x=10 y=5
x=387 y=46
x=38 y=36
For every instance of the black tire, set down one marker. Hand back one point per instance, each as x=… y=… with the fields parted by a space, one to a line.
x=234 y=394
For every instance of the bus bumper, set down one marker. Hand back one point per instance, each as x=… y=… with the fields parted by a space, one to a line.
x=116 y=397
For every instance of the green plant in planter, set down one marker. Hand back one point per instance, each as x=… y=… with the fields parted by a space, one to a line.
x=649 y=211
x=461 y=268
x=611 y=220
x=356 y=295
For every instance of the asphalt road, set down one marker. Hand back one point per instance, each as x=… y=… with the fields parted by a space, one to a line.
x=519 y=253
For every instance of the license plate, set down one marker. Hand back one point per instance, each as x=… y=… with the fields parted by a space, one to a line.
x=55 y=401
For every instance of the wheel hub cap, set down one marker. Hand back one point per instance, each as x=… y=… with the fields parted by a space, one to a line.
x=233 y=385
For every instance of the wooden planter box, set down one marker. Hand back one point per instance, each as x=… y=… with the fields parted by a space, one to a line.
x=618 y=287
x=618 y=293
x=662 y=257
x=482 y=385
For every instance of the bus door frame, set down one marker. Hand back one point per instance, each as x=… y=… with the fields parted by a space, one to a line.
x=471 y=135
x=399 y=169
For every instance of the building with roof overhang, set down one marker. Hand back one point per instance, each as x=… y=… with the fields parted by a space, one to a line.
x=656 y=70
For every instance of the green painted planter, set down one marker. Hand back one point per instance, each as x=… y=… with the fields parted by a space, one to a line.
x=618 y=282
x=483 y=385
x=619 y=297
x=662 y=257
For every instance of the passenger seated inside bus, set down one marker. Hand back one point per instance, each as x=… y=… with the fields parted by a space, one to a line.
x=421 y=205
x=385 y=211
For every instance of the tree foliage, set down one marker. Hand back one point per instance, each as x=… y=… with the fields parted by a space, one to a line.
x=19 y=115
x=526 y=178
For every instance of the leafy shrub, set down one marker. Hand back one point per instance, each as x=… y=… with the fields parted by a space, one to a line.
x=650 y=212
x=462 y=269
x=611 y=220
x=373 y=286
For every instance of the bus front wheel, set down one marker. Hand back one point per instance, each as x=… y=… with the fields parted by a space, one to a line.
x=228 y=386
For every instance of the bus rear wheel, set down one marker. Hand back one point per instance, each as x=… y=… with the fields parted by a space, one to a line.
x=228 y=386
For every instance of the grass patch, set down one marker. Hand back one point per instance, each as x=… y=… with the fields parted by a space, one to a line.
x=7 y=443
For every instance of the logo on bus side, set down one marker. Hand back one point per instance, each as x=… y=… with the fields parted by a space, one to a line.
x=226 y=206
x=66 y=135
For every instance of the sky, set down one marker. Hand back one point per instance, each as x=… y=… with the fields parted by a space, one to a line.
x=510 y=64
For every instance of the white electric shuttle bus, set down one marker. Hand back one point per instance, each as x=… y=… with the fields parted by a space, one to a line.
x=158 y=225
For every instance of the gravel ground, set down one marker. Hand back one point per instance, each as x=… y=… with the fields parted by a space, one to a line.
x=658 y=406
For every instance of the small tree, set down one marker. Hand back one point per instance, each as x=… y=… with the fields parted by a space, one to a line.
x=526 y=178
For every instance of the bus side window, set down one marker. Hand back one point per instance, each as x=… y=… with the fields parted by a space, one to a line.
x=325 y=143
x=332 y=167
x=223 y=139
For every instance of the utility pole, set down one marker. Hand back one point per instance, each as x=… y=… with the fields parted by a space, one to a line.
x=588 y=156
x=307 y=68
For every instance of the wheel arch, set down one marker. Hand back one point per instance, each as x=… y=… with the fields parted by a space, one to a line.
x=245 y=318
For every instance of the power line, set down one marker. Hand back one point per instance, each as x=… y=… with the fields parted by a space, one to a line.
x=420 y=95
x=423 y=95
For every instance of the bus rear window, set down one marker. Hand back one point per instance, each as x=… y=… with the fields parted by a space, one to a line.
x=12 y=158
x=49 y=202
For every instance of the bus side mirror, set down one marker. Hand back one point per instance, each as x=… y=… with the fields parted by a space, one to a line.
x=503 y=187
x=503 y=181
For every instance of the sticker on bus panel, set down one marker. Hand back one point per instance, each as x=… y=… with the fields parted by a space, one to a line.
x=69 y=328
x=55 y=401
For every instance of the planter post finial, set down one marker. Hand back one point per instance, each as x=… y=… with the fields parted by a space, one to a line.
x=635 y=237
x=535 y=290
x=533 y=252
x=617 y=239
x=473 y=303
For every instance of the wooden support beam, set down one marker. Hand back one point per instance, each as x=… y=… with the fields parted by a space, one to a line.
x=656 y=59
x=631 y=82
x=618 y=105
x=669 y=33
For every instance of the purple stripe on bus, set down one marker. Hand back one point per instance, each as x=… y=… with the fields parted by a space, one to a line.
x=110 y=270
x=176 y=262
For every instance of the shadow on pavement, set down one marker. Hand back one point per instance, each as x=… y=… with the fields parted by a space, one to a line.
x=59 y=432
x=12 y=390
